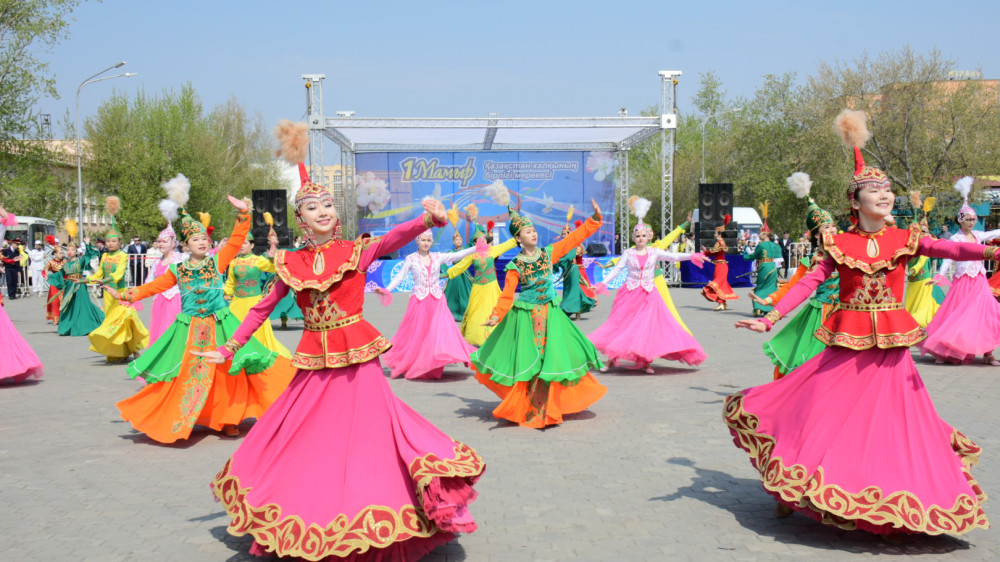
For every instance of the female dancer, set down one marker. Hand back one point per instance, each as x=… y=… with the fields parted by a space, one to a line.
x=538 y=381
x=718 y=289
x=340 y=466
x=485 y=290
x=243 y=286
x=166 y=305
x=968 y=322
x=851 y=437
x=121 y=334
x=78 y=315
x=767 y=253
x=457 y=290
x=53 y=274
x=796 y=343
x=640 y=327
x=427 y=339
x=183 y=389
x=920 y=301
x=577 y=295
x=19 y=361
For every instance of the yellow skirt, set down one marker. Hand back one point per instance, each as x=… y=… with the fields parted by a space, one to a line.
x=265 y=335
x=661 y=286
x=121 y=334
x=919 y=302
x=482 y=300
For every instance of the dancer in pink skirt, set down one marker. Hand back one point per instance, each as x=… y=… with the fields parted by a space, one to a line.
x=851 y=437
x=166 y=305
x=641 y=328
x=339 y=466
x=17 y=360
x=968 y=322
x=427 y=338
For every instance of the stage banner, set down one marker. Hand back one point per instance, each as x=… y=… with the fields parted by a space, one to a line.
x=540 y=185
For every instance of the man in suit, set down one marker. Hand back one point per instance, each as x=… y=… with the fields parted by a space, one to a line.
x=12 y=266
x=137 y=261
x=786 y=246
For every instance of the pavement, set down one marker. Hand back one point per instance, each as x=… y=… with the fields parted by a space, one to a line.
x=647 y=473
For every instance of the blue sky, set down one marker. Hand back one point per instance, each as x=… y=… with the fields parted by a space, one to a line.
x=466 y=59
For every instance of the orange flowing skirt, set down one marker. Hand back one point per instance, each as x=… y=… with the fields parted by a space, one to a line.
x=538 y=403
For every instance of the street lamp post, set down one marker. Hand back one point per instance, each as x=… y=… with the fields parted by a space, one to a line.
x=79 y=151
x=703 y=121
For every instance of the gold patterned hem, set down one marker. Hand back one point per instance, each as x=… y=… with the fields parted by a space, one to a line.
x=908 y=249
x=797 y=486
x=331 y=360
x=375 y=526
x=860 y=343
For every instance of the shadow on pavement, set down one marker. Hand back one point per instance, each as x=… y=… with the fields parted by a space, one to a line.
x=196 y=437
x=753 y=508
x=239 y=545
x=481 y=409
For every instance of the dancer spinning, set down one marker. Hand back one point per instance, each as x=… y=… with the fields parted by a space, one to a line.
x=340 y=466
x=718 y=289
x=456 y=291
x=797 y=343
x=53 y=273
x=78 y=315
x=427 y=339
x=485 y=289
x=183 y=388
x=19 y=361
x=920 y=301
x=122 y=333
x=537 y=360
x=968 y=322
x=243 y=286
x=768 y=257
x=578 y=296
x=166 y=305
x=851 y=437
x=640 y=328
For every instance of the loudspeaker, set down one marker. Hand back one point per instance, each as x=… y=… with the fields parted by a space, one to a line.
x=715 y=201
x=705 y=236
x=274 y=201
x=596 y=250
x=260 y=245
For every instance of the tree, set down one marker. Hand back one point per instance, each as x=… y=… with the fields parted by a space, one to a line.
x=29 y=184
x=136 y=145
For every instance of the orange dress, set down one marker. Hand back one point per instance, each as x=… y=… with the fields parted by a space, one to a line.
x=718 y=289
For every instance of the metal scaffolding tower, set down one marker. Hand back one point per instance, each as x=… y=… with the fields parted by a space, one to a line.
x=668 y=147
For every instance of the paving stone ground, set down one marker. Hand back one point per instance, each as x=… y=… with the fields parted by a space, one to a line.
x=648 y=473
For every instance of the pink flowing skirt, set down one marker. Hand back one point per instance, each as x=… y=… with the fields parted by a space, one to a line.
x=339 y=466
x=851 y=438
x=426 y=341
x=966 y=325
x=164 y=312
x=641 y=329
x=17 y=360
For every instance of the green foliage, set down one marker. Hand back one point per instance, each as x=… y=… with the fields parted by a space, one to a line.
x=926 y=132
x=136 y=145
x=27 y=27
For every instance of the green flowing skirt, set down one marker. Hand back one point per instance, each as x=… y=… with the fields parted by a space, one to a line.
x=456 y=292
x=164 y=360
x=288 y=308
x=767 y=283
x=78 y=315
x=536 y=341
x=795 y=343
x=574 y=300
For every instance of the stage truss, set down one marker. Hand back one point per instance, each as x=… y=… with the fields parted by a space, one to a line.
x=354 y=135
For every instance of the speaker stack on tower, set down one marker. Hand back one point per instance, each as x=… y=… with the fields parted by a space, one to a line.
x=274 y=201
x=715 y=201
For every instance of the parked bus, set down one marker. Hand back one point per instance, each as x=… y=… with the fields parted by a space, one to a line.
x=29 y=229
